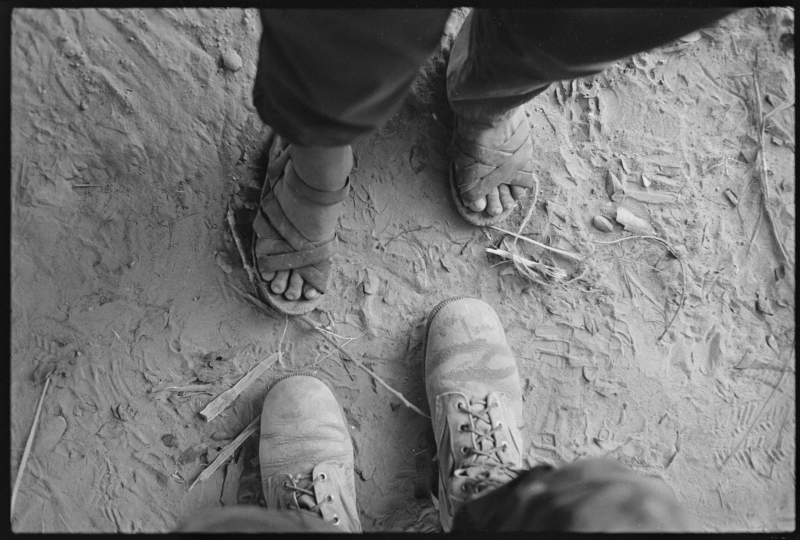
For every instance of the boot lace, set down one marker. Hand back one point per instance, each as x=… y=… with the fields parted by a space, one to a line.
x=483 y=453
x=303 y=484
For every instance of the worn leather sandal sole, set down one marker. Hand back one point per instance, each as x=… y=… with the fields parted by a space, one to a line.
x=509 y=162
x=479 y=219
x=294 y=251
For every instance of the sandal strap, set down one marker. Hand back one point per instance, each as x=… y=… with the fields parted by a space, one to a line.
x=305 y=192
x=479 y=169
x=280 y=168
x=294 y=252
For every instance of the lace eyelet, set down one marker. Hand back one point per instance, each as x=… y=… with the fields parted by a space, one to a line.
x=463 y=427
x=460 y=406
x=499 y=424
x=322 y=476
x=329 y=498
x=336 y=520
x=504 y=446
x=285 y=484
x=465 y=450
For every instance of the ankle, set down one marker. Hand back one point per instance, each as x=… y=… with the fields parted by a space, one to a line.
x=323 y=168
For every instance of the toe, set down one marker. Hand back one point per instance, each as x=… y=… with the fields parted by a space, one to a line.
x=478 y=205
x=493 y=206
x=506 y=200
x=278 y=284
x=310 y=292
x=518 y=192
x=268 y=276
x=295 y=287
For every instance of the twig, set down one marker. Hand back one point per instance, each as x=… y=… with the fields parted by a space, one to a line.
x=520 y=262
x=98 y=185
x=763 y=406
x=779 y=108
x=225 y=399
x=569 y=254
x=406 y=231
x=28 y=445
x=763 y=175
x=313 y=324
x=683 y=272
x=228 y=451
x=169 y=224
x=755 y=230
x=551 y=272
x=200 y=388
x=249 y=269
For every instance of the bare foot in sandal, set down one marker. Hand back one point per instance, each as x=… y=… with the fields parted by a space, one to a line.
x=295 y=228
x=492 y=167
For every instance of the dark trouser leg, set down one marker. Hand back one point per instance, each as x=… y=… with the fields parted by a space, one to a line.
x=503 y=58
x=328 y=77
x=598 y=495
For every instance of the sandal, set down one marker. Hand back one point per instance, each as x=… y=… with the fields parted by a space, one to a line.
x=279 y=245
x=476 y=169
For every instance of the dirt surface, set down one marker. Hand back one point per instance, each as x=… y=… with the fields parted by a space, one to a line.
x=132 y=132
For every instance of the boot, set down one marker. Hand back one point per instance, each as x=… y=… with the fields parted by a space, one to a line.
x=475 y=400
x=306 y=454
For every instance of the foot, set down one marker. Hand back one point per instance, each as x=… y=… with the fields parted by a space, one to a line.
x=324 y=170
x=474 y=395
x=492 y=166
x=306 y=454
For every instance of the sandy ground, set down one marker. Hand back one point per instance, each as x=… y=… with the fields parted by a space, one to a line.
x=130 y=138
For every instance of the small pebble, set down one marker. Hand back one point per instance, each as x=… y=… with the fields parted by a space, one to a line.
x=645 y=181
x=231 y=60
x=602 y=223
x=170 y=440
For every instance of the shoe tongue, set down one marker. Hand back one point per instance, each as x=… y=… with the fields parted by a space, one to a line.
x=481 y=426
x=307 y=502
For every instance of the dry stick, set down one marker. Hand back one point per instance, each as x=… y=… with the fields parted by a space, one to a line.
x=755 y=230
x=683 y=273
x=232 y=223
x=28 y=445
x=551 y=272
x=763 y=175
x=569 y=254
x=228 y=451
x=763 y=406
x=226 y=398
x=309 y=321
